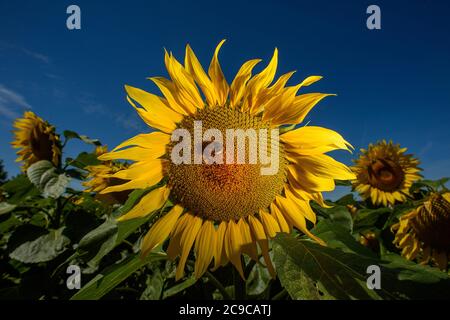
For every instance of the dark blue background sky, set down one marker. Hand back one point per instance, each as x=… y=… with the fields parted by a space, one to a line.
x=391 y=83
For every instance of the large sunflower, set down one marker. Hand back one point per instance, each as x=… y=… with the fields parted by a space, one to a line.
x=99 y=178
x=384 y=173
x=424 y=232
x=36 y=140
x=224 y=210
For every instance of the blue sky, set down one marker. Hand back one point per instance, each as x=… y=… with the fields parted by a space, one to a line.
x=391 y=83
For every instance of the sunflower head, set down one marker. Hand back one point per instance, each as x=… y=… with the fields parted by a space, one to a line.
x=100 y=178
x=224 y=207
x=36 y=140
x=384 y=173
x=424 y=232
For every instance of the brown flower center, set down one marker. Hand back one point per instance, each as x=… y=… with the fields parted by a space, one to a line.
x=224 y=191
x=385 y=174
x=432 y=224
x=41 y=144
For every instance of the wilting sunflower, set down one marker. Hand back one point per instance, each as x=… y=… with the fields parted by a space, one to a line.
x=224 y=210
x=37 y=140
x=100 y=178
x=384 y=173
x=423 y=233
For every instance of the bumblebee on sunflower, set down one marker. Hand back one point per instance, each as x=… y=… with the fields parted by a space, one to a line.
x=222 y=211
x=384 y=173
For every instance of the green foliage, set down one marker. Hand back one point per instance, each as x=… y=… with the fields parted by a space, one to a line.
x=46 y=178
x=46 y=226
x=109 y=278
x=42 y=249
x=73 y=135
x=308 y=270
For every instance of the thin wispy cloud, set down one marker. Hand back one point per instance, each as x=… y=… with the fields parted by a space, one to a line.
x=31 y=53
x=12 y=103
x=36 y=55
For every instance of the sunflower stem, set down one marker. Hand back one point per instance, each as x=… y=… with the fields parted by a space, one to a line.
x=218 y=285
x=249 y=268
x=239 y=284
x=280 y=295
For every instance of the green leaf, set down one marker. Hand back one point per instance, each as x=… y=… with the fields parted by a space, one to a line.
x=98 y=243
x=19 y=189
x=370 y=218
x=337 y=214
x=338 y=237
x=56 y=186
x=5 y=207
x=73 y=135
x=308 y=270
x=258 y=280
x=113 y=275
x=133 y=198
x=435 y=185
x=155 y=283
x=42 y=249
x=36 y=171
x=343 y=183
x=45 y=177
x=83 y=160
x=346 y=200
x=179 y=287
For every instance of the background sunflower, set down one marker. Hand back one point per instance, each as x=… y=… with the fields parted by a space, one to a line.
x=384 y=173
x=36 y=140
x=423 y=233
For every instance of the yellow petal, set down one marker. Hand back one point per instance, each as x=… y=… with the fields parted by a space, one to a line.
x=217 y=77
x=238 y=86
x=264 y=245
x=271 y=94
x=160 y=230
x=153 y=141
x=302 y=205
x=233 y=245
x=134 y=154
x=219 y=247
x=323 y=166
x=299 y=109
x=149 y=203
x=275 y=212
x=302 y=179
x=151 y=170
x=155 y=111
x=204 y=248
x=313 y=140
x=297 y=219
x=260 y=81
x=188 y=92
x=269 y=223
x=194 y=67
x=249 y=246
x=172 y=94
x=257 y=228
x=141 y=183
x=194 y=224
x=174 y=248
